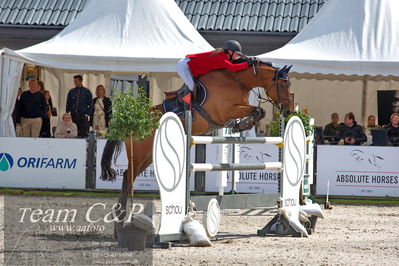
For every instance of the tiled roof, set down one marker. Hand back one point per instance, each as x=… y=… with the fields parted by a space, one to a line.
x=215 y=15
x=250 y=15
x=40 y=12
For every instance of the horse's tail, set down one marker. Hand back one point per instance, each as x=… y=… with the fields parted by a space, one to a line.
x=111 y=146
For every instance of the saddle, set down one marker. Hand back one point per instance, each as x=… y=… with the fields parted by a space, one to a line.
x=174 y=99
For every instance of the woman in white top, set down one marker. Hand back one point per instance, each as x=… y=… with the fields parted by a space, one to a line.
x=102 y=110
x=67 y=128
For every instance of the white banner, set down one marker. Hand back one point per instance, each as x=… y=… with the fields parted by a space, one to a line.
x=358 y=170
x=42 y=163
x=252 y=181
x=145 y=181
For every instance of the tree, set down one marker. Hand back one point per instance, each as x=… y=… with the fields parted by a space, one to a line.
x=132 y=118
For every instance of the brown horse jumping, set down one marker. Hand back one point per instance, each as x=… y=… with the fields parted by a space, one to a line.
x=227 y=101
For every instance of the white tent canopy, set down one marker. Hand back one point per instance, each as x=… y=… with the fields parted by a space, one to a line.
x=357 y=37
x=338 y=55
x=121 y=36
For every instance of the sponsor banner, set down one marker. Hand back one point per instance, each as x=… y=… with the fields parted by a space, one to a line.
x=42 y=163
x=251 y=181
x=145 y=181
x=358 y=170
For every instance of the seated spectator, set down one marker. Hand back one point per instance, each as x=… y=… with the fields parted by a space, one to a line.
x=330 y=131
x=45 y=130
x=32 y=107
x=67 y=128
x=350 y=133
x=371 y=125
x=102 y=110
x=393 y=129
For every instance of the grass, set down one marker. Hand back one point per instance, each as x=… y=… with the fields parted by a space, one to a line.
x=360 y=201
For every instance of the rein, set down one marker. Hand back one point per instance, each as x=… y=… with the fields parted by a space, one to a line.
x=256 y=70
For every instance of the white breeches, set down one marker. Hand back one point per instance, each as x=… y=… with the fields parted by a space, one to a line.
x=183 y=70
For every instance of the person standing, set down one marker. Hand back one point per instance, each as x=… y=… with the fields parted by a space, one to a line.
x=17 y=108
x=102 y=110
x=80 y=106
x=46 y=125
x=32 y=109
x=43 y=90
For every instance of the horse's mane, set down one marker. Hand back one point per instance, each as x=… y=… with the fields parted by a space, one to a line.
x=245 y=59
x=266 y=63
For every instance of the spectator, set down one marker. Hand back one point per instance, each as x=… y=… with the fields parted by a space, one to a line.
x=67 y=128
x=45 y=130
x=32 y=106
x=102 y=110
x=332 y=128
x=17 y=108
x=350 y=133
x=393 y=129
x=80 y=106
x=371 y=125
x=42 y=90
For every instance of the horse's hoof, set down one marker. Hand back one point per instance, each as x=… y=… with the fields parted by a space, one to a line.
x=246 y=123
x=236 y=129
x=258 y=113
x=231 y=123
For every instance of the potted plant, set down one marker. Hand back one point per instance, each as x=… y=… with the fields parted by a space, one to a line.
x=132 y=119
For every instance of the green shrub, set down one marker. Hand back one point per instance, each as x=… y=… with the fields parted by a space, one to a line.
x=274 y=126
x=132 y=117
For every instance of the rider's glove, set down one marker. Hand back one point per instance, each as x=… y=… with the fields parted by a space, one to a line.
x=251 y=61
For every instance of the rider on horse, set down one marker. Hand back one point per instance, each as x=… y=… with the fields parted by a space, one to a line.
x=195 y=65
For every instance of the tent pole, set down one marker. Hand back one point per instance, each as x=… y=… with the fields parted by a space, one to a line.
x=364 y=100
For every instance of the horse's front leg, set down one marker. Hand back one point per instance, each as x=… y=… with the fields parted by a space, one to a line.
x=252 y=115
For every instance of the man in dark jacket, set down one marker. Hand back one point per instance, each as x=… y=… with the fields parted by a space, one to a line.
x=350 y=132
x=32 y=108
x=80 y=106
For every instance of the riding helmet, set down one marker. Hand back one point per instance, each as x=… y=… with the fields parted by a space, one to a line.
x=232 y=45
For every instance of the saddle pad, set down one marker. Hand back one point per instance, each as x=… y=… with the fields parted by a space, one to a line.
x=176 y=106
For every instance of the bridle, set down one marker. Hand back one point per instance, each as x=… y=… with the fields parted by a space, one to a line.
x=256 y=70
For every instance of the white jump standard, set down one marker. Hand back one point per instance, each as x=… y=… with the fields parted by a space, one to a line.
x=171 y=160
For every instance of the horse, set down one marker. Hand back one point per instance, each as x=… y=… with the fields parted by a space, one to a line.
x=227 y=101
